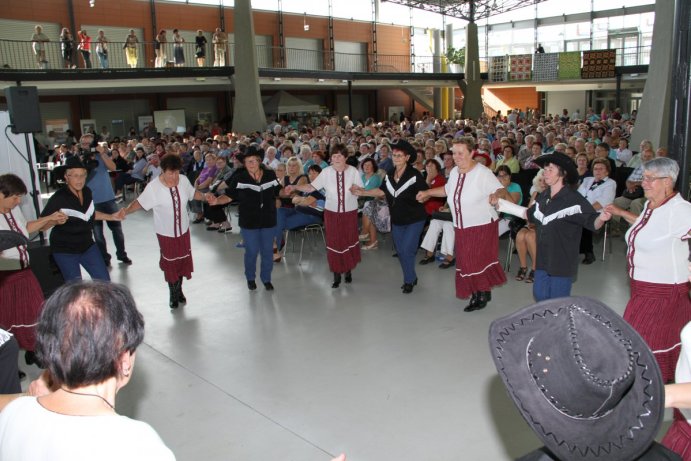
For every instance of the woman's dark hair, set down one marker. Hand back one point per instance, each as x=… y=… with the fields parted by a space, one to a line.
x=171 y=163
x=509 y=146
x=503 y=169
x=338 y=148
x=314 y=167
x=11 y=184
x=375 y=168
x=83 y=330
x=433 y=161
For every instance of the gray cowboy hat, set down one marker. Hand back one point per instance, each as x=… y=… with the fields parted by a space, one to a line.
x=582 y=378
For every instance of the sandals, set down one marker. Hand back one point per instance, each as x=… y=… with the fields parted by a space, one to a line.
x=427 y=260
x=372 y=246
x=521 y=274
x=531 y=277
x=447 y=263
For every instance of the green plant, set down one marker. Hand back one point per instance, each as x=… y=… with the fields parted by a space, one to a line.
x=456 y=56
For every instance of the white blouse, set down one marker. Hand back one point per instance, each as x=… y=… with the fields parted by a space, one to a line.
x=169 y=205
x=337 y=188
x=602 y=193
x=468 y=196
x=683 y=373
x=656 y=252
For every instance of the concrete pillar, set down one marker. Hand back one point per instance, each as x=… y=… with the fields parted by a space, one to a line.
x=248 y=112
x=652 y=121
x=451 y=100
x=472 y=84
x=436 y=68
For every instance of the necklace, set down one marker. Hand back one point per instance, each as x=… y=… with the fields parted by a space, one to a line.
x=84 y=394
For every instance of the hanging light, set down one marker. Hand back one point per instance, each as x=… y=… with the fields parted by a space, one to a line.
x=92 y=3
x=304 y=23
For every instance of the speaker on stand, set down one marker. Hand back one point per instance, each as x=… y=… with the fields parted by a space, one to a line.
x=25 y=116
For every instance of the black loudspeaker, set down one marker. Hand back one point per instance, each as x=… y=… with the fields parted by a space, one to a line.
x=25 y=114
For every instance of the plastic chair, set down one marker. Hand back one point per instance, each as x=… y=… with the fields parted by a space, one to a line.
x=310 y=231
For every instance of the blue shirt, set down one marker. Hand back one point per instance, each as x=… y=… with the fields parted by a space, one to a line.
x=99 y=182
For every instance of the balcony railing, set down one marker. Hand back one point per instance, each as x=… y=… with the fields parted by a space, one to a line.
x=20 y=55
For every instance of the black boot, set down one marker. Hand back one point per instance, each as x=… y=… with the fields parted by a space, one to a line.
x=181 y=295
x=589 y=258
x=480 y=302
x=348 y=277
x=473 y=302
x=337 y=280
x=173 y=303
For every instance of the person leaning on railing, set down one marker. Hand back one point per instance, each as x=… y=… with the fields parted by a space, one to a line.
x=67 y=48
x=130 y=47
x=39 y=40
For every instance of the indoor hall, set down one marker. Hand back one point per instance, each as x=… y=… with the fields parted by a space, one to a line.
x=306 y=372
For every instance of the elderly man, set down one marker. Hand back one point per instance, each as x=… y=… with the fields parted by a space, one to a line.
x=220 y=41
x=104 y=198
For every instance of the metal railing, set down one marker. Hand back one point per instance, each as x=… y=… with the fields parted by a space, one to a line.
x=20 y=55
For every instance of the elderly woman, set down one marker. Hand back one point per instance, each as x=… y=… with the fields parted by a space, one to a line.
x=340 y=213
x=256 y=188
x=408 y=216
x=599 y=190
x=20 y=294
x=468 y=190
x=525 y=239
x=293 y=177
x=515 y=195
x=216 y=214
x=72 y=243
x=659 y=306
x=88 y=335
x=372 y=208
x=508 y=159
x=202 y=184
x=167 y=195
x=559 y=214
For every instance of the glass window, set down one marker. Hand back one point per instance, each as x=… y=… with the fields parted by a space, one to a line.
x=551 y=38
x=352 y=9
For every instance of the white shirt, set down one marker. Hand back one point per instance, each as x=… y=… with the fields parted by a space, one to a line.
x=473 y=190
x=169 y=205
x=10 y=258
x=683 y=373
x=623 y=156
x=271 y=163
x=29 y=432
x=656 y=252
x=338 y=196
x=602 y=194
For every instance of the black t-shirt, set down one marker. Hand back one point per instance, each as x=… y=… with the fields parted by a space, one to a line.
x=559 y=223
x=76 y=235
x=400 y=195
x=257 y=199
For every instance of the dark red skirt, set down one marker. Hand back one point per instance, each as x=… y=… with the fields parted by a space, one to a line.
x=658 y=312
x=678 y=437
x=342 y=242
x=176 y=257
x=21 y=300
x=477 y=259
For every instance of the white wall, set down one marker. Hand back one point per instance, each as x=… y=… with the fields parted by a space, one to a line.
x=15 y=162
x=557 y=101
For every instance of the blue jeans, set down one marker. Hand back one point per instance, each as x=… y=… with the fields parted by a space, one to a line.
x=406 y=238
x=103 y=57
x=259 y=242
x=115 y=227
x=290 y=218
x=90 y=260
x=549 y=287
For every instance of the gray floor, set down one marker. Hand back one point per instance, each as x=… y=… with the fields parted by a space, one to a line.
x=306 y=372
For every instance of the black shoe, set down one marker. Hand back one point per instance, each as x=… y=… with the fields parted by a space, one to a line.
x=337 y=280
x=181 y=295
x=198 y=220
x=269 y=286
x=125 y=260
x=446 y=264
x=251 y=284
x=21 y=375
x=427 y=260
x=483 y=297
x=173 y=302
x=413 y=284
x=589 y=258
x=407 y=288
x=473 y=302
x=30 y=358
x=348 y=277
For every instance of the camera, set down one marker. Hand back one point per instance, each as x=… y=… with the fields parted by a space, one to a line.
x=89 y=158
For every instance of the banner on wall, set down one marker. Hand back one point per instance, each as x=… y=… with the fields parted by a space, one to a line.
x=545 y=66
x=87 y=125
x=521 y=67
x=498 y=68
x=570 y=65
x=599 y=64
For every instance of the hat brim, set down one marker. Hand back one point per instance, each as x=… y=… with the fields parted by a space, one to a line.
x=10 y=239
x=561 y=160
x=623 y=433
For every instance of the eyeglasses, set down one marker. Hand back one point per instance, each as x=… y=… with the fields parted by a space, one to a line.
x=502 y=175
x=650 y=179
x=399 y=156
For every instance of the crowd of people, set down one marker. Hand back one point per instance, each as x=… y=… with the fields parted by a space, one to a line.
x=84 y=44
x=548 y=183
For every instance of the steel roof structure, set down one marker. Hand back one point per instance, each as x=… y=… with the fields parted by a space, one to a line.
x=468 y=10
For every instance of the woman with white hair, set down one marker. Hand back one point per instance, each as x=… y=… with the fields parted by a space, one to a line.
x=659 y=306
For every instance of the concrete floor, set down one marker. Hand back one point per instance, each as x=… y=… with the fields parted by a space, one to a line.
x=306 y=372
